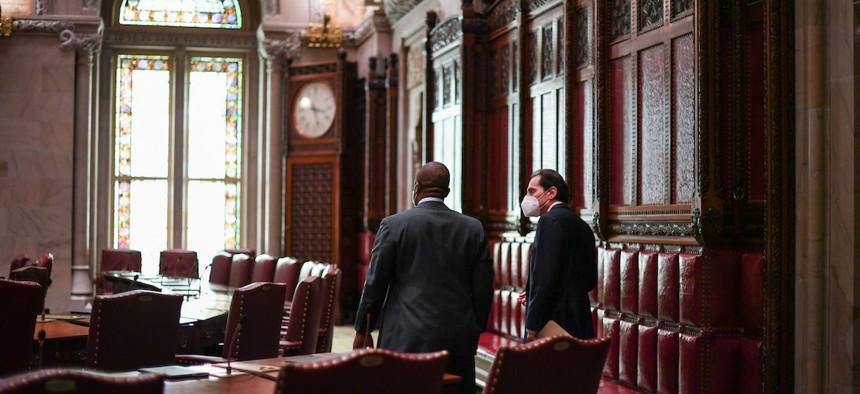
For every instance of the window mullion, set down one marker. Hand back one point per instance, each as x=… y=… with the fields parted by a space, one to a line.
x=178 y=180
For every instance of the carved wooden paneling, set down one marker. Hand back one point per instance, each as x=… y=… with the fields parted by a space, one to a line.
x=654 y=143
x=650 y=14
x=619 y=19
x=559 y=45
x=547 y=51
x=532 y=48
x=504 y=65
x=311 y=210
x=684 y=125
x=515 y=65
x=583 y=47
x=622 y=139
x=753 y=181
x=681 y=8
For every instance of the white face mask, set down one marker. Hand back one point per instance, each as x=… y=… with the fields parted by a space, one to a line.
x=531 y=205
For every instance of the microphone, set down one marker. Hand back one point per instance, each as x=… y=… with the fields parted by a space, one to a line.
x=41 y=337
x=47 y=285
x=133 y=282
x=236 y=333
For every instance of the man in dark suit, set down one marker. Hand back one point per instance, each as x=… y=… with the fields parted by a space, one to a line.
x=432 y=274
x=562 y=269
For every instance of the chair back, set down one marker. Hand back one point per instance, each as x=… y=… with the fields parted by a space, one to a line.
x=117 y=260
x=134 y=329
x=550 y=365
x=178 y=263
x=305 y=316
x=261 y=306
x=366 y=371
x=305 y=272
x=264 y=269
x=240 y=270
x=20 y=261
x=46 y=260
x=249 y=251
x=219 y=271
x=38 y=275
x=20 y=302
x=331 y=291
x=287 y=272
x=80 y=381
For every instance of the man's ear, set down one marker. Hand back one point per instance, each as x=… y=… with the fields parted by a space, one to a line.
x=553 y=192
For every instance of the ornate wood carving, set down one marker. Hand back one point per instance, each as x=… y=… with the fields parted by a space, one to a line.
x=311 y=211
x=503 y=13
x=515 y=66
x=650 y=14
x=684 y=117
x=619 y=25
x=681 y=8
x=559 y=45
x=654 y=135
x=546 y=51
x=532 y=45
x=447 y=75
x=322 y=68
x=534 y=5
x=41 y=7
x=582 y=54
x=445 y=33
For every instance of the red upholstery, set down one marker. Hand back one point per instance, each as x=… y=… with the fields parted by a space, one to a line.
x=117 y=260
x=551 y=365
x=287 y=272
x=249 y=251
x=611 y=279
x=132 y=330
x=366 y=371
x=709 y=290
x=178 y=263
x=648 y=284
x=647 y=356
x=331 y=291
x=629 y=286
x=303 y=328
x=20 y=261
x=264 y=269
x=611 y=329
x=752 y=296
x=80 y=381
x=240 y=270
x=46 y=260
x=219 y=272
x=596 y=294
x=751 y=361
x=667 y=286
x=20 y=302
x=667 y=361
x=719 y=351
x=38 y=275
x=628 y=351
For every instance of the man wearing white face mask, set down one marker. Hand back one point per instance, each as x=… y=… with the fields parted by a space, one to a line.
x=562 y=269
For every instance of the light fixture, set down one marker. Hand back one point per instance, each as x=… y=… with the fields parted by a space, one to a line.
x=5 y=24
x=325 y=34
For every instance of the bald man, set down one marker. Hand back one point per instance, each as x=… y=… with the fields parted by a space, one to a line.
x=434 y=266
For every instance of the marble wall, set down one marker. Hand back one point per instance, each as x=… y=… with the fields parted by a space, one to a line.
x=37 y=94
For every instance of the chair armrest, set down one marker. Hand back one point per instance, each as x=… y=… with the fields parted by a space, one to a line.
x=196 y=359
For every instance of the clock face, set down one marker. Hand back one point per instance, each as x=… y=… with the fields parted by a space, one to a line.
x=314 y=109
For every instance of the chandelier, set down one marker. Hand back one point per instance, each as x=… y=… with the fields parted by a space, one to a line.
x=325 y=34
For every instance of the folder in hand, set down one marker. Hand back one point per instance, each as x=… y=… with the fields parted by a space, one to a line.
x=551 y=329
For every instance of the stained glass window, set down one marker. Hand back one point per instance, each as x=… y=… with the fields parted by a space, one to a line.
x=146 y=192
x=223 y=14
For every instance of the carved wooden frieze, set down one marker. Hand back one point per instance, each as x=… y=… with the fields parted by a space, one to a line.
x=534 y=5
x=652 y=229
x=447 y=32
x=503 y=13
x=314 y=69
x=40 y=26
x=289 y=48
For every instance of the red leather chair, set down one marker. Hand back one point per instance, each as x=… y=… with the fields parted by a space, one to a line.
x=260 y=305
x=46 y=260
x=558 y=364
x=20 y=302
x=80 y=381
x=134 y=329
x=303 y=327
x=331 y=289
x=366 y=371
x=19 y=261
x=38 y=275
x=240 y=270
x=249 y=251
x=219 y=270
x=287 y=272
x=264 y=269
x=178 y=263
x=117 y=260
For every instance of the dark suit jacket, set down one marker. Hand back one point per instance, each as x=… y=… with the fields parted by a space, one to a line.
x=562 y=271
x=434 y=265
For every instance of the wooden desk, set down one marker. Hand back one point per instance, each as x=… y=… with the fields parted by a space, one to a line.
x=238 y=384
x=65 y=344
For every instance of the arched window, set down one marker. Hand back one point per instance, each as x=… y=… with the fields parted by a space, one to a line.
x=177 y=140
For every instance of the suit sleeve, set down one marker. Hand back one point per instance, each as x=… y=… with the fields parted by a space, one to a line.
x=544 y=278
x=482 y=283
x=379 y=275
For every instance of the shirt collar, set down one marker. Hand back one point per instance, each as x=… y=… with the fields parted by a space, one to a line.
x=428 y=199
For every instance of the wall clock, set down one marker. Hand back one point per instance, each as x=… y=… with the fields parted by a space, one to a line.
x=314 y=109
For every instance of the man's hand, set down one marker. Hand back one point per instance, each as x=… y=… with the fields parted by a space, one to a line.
x=530 y=335
x=361 y=341
x=522 y=298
